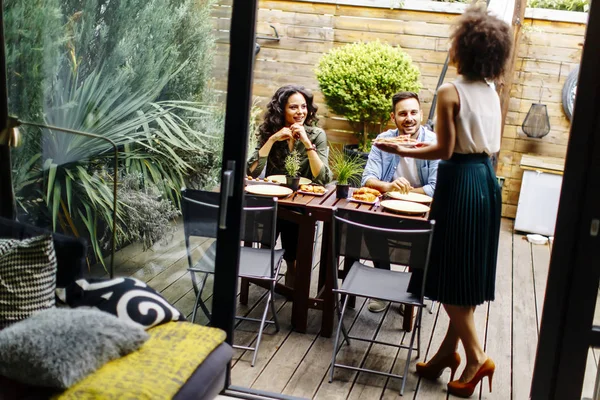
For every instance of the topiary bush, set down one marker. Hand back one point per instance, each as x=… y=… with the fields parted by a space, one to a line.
x=358 y=81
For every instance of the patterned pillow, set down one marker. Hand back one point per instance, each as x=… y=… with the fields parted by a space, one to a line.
x=127 y=298
x=27 y=277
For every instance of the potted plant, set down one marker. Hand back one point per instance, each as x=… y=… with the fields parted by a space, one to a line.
x=292 y=168
x=347 y=171
x=358 y=81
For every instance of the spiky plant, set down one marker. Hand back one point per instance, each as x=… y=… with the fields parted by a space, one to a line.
x=292 y=164
x=346 y=170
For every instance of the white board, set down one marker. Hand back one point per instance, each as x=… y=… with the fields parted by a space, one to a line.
x=538 y=203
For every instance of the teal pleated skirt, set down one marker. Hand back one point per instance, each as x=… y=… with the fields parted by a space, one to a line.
x=466 y=207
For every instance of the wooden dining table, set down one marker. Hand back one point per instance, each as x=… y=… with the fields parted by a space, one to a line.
x=305 y=210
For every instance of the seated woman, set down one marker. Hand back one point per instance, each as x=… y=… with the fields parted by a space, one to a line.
x=289 y=124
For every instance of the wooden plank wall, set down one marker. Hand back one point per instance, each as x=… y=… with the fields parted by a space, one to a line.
x=310 y=29
x=548 y=51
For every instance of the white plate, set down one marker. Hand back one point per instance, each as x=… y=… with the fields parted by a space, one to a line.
x=405 y=207
x=313 y=193
x=350 y=198
x=362 y=201
x=269 y=190
x=259 y=181
x=416 y=197
x=282 y=180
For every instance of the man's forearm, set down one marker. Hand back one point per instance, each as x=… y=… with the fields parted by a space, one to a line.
x=377 y=184
x=418 y=190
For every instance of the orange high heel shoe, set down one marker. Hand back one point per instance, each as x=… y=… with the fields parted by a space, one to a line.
x=466 y=389
x=433 y=371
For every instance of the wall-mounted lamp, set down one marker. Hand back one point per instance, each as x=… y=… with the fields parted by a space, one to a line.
x=537 y=121
x=12 y=137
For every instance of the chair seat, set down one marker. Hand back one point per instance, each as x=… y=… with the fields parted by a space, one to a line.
x=256 y=263
x=379 y=284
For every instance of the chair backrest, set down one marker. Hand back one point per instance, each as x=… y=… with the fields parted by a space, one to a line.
x=200 y=210
x=259 y=220
x=382 y=238
x=259 y=224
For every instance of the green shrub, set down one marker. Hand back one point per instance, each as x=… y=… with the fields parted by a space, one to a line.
x=567 y=5
x=358 y=81
x=147 y=214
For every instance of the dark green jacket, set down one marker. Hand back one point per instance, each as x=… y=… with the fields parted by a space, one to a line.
x=318 y=138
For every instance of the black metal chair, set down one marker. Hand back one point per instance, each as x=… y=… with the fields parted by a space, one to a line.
x=200 y=212
x=402 y=242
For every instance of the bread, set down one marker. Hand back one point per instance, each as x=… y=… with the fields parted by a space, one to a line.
x=364 y=190
x=313 y=189
x=368 y=197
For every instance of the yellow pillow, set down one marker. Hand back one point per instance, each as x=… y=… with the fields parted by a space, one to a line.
x=157 y=370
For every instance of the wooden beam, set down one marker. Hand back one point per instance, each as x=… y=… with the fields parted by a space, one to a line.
x=513 y=13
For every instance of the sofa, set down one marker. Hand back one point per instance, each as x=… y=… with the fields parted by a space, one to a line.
x=206 y=380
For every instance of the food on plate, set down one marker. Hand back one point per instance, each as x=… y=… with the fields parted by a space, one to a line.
x=368 y=197
x=313 y=189
x=366 y=194
x=401 y=139
x=364 y=190
x=249 y=178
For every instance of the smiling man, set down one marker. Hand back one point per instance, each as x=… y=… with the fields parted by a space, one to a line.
x=388 y=172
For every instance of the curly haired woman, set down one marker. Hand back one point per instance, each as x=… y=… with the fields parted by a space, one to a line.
x=467 y=200
x=289 y=124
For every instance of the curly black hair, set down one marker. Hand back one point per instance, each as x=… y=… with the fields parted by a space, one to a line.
x=274 y=118
x=480 y=44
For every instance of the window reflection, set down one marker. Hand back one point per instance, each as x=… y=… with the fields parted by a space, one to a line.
x=137 y=73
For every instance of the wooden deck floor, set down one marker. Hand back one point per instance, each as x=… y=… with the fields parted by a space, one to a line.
x=297 y=364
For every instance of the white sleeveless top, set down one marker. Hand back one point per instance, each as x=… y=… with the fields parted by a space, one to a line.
x=479 y=120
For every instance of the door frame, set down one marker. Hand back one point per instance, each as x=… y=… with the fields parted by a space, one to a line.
x=566 y=327
x=239 y=100
x=6 y=190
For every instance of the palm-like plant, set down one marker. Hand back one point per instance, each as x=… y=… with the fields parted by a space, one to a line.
x=72 y=175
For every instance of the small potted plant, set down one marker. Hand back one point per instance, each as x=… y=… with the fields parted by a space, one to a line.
x=292 y=168
x=347 y=170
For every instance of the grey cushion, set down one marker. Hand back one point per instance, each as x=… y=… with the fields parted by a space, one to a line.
x=27 y=277
x=58 y=347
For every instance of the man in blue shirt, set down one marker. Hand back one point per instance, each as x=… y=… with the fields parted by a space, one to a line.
x=389 y=172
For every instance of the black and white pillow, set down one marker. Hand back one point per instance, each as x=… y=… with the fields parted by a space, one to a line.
x=128 y=298
x=27 y=277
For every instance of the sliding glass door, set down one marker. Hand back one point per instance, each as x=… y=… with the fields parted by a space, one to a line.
x=162 y=90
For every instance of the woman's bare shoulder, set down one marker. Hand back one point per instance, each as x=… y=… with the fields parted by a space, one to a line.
x=448 y=91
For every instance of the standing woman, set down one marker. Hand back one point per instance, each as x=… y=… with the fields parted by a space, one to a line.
x=290 y=124
x=467 y=200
